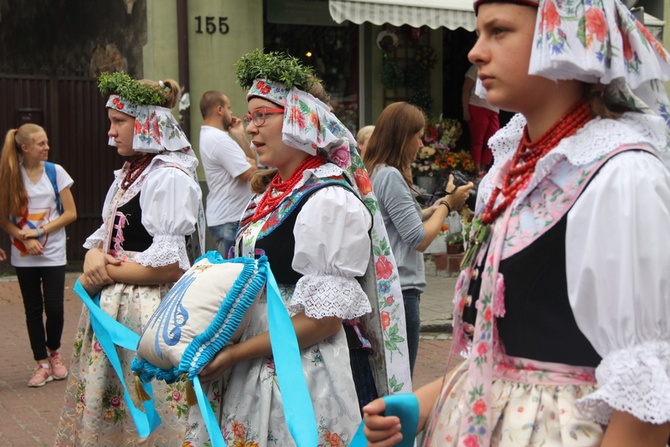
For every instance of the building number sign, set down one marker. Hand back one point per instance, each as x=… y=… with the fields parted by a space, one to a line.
x=210 y=25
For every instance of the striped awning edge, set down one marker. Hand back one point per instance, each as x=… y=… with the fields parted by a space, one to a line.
x=450 y=14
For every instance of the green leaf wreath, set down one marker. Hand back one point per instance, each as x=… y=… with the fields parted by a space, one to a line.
x=130 y=89
x=274 y=66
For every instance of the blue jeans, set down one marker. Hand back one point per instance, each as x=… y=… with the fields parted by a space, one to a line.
x=224 y=236
x=412 y=298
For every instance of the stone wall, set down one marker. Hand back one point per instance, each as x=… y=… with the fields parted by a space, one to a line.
x=71 y=37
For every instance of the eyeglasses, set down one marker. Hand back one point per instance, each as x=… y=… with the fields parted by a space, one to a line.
x=258 y=115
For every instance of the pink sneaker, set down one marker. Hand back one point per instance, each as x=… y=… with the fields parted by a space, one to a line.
x=58 y=370
x=41 y=377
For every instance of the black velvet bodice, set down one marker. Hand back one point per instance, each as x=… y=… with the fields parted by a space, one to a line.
x=539 y=323
x=279 y=246
x=135 y=236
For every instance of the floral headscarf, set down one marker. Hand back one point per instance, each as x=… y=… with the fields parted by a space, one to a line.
x=601 y=42
x=156 y=129
x=309 y=125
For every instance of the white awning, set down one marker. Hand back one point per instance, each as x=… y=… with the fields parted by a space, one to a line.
x=654 y=25
x=450 y=14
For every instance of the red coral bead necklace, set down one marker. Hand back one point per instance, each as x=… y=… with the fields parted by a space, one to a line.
x=527 y=155
x=135 y=168
x=279 y=189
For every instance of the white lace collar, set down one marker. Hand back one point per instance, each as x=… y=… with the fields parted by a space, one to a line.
x=597 y=138
x=189 y=162
x=325 y=170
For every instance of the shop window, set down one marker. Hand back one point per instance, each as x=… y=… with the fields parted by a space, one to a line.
x=333 y=53
x=407 y=63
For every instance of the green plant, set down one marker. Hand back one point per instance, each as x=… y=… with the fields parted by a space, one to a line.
x=274 y=66
x=131 y=90
x=454 y=239
x=392 y=75
x=416 y=77
x=426 y=57
x=421 y=99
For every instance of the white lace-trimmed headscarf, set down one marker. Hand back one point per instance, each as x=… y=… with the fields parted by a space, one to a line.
x=309 y=124
x=156 y=129
x=602 y=43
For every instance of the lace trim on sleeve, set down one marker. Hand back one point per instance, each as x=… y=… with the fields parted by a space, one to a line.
x=96 y=239
x=165 y=250
x=329 y=296
x=635 y=380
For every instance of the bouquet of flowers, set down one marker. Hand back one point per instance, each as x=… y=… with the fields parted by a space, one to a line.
x=427 y=161
x=431 y=161
x=438 y=153
x=459 y=161
x=443 y=133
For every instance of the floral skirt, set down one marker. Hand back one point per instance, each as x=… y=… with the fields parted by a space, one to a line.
x=248 y=403
x=94 y=413
x=532 y=404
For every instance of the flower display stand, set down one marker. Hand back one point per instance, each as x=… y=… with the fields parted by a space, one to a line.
x=440 y=261
x=453 y=258
x=454 y=263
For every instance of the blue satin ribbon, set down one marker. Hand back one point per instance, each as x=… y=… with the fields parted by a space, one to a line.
x=297 y=403
x=406 y=407
x=298 y=408
x=110 y=333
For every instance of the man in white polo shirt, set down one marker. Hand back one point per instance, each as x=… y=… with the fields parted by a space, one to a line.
x=229 y=163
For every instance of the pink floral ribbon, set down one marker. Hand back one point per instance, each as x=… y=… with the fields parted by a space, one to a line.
x=517 y=369
x=475 y=429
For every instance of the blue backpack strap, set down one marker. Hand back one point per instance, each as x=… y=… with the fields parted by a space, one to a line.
x=50 y=169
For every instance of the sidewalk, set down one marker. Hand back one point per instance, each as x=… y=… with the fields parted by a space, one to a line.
x=437 y=300
x=29 y=416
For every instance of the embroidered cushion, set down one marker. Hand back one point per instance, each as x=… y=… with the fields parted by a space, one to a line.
x=206 y=309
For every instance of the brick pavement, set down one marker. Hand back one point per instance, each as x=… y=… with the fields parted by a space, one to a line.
x=29 y=416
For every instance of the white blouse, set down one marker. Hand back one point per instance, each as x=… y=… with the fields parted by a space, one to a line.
x=332 y=248
x=170 y=200
x=618 y=273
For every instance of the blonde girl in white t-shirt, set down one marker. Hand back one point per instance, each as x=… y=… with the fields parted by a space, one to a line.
x=29 y=214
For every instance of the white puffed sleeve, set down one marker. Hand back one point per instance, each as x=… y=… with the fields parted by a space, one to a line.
x=332 y=248
x=618 y=273
x=169 y=200
x=96 y=239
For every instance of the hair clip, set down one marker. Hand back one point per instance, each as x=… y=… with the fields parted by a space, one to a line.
x=163 y=86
